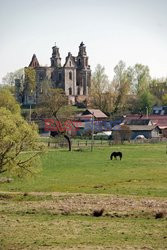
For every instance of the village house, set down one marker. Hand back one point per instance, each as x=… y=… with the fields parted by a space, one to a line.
x=157 y=120
x=145 y=127
x=90 y=114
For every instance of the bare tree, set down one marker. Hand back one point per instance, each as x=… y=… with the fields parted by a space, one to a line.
x=54 y=104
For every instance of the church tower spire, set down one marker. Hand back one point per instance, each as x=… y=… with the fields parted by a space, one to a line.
x=82 y=50
x=55 y=59
x=34 y=62
x=82 y=58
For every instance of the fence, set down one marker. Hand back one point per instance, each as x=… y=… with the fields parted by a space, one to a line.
x=98 y=143
x=80 y=144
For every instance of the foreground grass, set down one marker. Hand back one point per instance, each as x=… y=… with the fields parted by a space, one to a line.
x=65 y=221
x=50 y=232
x=142 y=172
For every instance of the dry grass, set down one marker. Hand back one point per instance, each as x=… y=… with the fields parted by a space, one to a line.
x=65 y=221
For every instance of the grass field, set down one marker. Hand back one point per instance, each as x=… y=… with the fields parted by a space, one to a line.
x=142 y=171
x=54 y=209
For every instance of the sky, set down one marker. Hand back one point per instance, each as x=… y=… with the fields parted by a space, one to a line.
x=134 y=31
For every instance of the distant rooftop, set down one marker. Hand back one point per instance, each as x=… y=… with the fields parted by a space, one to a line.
x=158 y=120
x=97 y=113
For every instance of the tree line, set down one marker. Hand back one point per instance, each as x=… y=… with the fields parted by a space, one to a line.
x=132 y=90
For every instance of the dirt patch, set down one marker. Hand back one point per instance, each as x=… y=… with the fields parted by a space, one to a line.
x=82 y=204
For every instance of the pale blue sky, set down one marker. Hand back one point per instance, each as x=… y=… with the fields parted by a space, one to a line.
x=132 y=30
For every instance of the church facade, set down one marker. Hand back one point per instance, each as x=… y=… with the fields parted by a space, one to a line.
x=74 y=77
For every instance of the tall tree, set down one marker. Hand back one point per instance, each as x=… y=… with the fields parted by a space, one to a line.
x=16 y=137
x=121 y=85
x=158 y=88
x=142 y=78
x=30 y=78
x=99 y=89
x=146 y=101
x=10 y=77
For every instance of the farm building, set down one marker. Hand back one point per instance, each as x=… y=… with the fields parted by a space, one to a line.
x=148 y=131
x=144 y=127
x=88 y=114
x=156 y=120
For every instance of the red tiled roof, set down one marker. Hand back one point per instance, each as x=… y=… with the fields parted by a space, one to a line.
x=158 y=120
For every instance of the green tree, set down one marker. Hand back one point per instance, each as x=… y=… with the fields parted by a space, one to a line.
x=16 y=138
x=100 y=89
x=164 y=99
x=30 y=78
x=8 y=101
x=146 y=102
x=141 y=78
x=121 y=85
x=158 y=88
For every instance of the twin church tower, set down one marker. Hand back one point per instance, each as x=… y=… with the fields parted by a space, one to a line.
x=74 y=77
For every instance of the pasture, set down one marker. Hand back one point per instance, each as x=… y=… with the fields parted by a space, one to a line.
x=142 y=171
x=54 y=209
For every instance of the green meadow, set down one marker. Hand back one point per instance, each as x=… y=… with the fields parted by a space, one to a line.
x=142 y=171
x=54 y=209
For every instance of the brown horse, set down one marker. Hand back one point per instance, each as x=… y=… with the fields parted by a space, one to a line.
x=115 y=154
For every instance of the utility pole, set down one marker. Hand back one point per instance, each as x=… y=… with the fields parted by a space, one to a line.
x=92 y=142
x=146 y=112
x=30 y=114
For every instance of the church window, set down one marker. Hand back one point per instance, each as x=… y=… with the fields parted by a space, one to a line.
x=70 y=63
x=40 y=77
x=70 y=75
x=78 y=91
x=70 y=91
x=59 y=77
x=79 y=62
x=84 y=91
